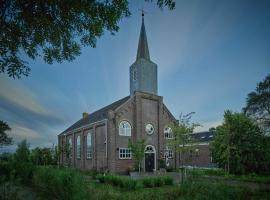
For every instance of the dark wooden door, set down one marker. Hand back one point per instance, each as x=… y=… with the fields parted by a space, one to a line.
x=149 y=162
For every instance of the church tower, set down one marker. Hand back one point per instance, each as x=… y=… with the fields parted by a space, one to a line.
x=143 y=72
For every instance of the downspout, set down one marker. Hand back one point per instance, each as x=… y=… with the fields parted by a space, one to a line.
x=106 y=140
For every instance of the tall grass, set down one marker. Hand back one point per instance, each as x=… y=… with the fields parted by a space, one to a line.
x=65 y=184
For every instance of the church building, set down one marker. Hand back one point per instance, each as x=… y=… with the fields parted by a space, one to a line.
x=99 y=140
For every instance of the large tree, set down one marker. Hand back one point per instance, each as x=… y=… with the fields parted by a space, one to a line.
x=240 y=146
x=55 y=30
x=258 y=103
x=4 y=138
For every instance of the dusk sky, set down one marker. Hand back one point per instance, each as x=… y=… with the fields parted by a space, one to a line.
x=210 y=55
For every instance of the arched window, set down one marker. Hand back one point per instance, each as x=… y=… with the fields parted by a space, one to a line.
x=78 y=147
x=149 y=149
x=124 y=128
x=70 y=147
x=89 y=145
x=168 y=133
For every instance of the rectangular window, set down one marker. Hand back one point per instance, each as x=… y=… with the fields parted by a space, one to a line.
x=124 y=153
x=168 y=136
x=168 y=152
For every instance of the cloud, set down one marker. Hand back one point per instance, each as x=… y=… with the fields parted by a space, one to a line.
x=34 y=137
x=27 y=116
x=21 y=104
x=21 y=97
x=21 y=133
x=208 y=124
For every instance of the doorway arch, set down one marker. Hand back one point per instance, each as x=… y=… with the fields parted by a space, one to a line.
x=149 y=158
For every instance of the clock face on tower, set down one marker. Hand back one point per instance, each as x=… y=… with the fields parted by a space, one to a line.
x=149 y=129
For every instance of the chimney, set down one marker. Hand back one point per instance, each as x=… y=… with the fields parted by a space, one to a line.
x=84 y=114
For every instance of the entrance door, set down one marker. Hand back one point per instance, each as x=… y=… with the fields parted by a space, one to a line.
x=149 y=162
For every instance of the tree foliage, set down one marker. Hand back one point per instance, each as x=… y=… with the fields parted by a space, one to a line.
x=137 y=149
x=181 y=142
x=22 y=166
x=240 y=146
x=43 y=156
x=4 y=138
x=55 y=30
x=258 y=103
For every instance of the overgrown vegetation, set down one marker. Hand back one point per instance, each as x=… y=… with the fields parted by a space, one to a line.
x=55 y=183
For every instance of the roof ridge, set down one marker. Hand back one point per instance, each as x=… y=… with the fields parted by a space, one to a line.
x=97 y=115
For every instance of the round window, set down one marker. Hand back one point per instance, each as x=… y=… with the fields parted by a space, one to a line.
x=149 y=129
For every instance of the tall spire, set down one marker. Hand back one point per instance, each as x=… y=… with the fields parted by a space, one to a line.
x=143 y=51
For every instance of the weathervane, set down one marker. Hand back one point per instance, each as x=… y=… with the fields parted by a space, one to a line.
x=143 y=12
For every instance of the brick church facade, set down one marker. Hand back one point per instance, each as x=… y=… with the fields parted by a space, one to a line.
x=100 y=140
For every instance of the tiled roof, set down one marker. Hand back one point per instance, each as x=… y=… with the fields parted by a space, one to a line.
x=205 y=136
x=96 y=116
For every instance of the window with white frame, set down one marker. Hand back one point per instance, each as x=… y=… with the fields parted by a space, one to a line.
x=89 y=145
x=124 y=153
x=78 y=147
x=168 y=152
x=70 y=147
x=124 y=128
x=168 y=133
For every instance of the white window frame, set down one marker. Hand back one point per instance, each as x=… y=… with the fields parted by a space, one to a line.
x=126 y=130
x=168 y=133
x=78 y=145
x=169 y=152
x=89 y=152
x=125 y=153
x=70 y=147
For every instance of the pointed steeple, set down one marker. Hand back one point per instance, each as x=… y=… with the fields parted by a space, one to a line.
x=143 y=51
x=143 y=72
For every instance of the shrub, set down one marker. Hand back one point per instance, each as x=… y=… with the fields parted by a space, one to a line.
x=93 y=173
x=148 y=182
x=158 y=181
x=5 y=170
x=101 y=178
x=123 y=182
x=130 y=184
x=168 y=180
x=60 y=184
x=23 y=171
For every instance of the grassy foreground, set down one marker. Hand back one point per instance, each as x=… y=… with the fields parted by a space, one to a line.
x=53 y=183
